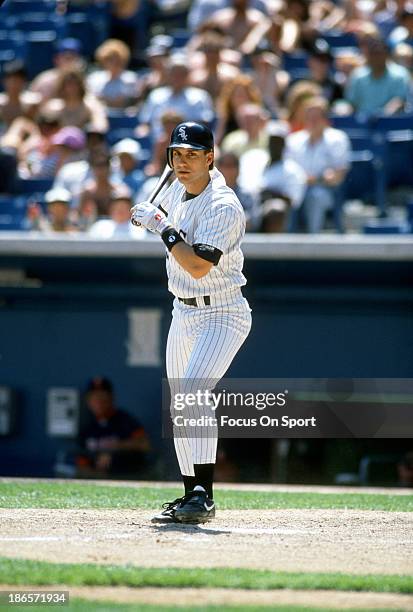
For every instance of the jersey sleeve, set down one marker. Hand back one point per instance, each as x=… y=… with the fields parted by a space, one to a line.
x=220 y=227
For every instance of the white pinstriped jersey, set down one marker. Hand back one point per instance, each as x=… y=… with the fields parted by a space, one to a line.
x=215 y=218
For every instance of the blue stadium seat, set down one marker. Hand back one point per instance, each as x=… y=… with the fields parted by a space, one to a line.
x=34 y=22
x=298 y=74
x=40 y=48
x=121 y=121
x=294 y=61
x=348 y=122
x=360 y=181
x=340 y=39
x=113 y=136
x=12 y=213
x=399 y=158
x=393 y=122
x=78 y=25
x=409 y=210
x=34 y=186
x=181 y=37
x=386 y=226
x=18 y=7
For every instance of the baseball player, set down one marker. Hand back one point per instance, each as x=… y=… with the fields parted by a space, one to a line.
x=202 y=223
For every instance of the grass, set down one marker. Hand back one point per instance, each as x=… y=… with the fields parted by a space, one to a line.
x=23 y=571
x=80 y=605
x=86 y=495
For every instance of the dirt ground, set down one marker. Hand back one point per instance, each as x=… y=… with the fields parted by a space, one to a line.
x=350 y=541
x=333 y=600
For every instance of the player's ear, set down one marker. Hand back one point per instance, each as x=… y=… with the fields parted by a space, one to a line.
x=210 y=159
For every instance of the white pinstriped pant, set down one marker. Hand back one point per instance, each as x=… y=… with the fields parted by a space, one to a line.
x=202 y=343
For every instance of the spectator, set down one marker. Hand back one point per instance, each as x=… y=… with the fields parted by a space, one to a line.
x=169 y=121
x=283 y=179
x=274 y=215
x=114 y=442
x=193 y=103
x=228 y=164
x=99 y=186
x=115 y=86
x=234 y=94
x=403 y=55
x=68 y=57
x=268 y=78
x=252 y=133
x=32 y=145
x=129 y=24
x=405 y=470
x=202 y=10
x=70 y=144
x=297 y=97
x=323 y=153
x=321 y=66
x=379 y=87
x=156 y=57
x=73 y=106
x=237 y=21
x=404 y=32
x=58 y=213
x=118 y=225
x=73 y=175
x=95 y=137
x=288 y=30
x=127 y=153
x=37 y=153
x=213 y=73
x=15 y=101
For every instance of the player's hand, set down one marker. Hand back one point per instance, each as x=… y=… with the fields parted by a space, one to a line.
x=149 y=216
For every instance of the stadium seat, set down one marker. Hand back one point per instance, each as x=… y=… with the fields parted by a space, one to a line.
x=294 y=61
x=40 y=47
x=34 y=186
x=393 y=122
x=121 y=121
x=409 y=210
x=78 y=25
x=34 y=22
x=19 y=7
x=12 y=213
x=340 y=39
x=180 y=38
x=348 y=122
x=359 y=183
x=386 y=226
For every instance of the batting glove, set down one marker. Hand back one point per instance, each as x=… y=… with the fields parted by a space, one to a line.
x=149 y=216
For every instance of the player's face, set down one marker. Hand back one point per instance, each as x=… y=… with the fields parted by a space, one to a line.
x=190 y=165
x=100 y=403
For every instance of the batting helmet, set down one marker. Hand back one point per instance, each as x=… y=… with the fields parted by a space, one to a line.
x=190 y=135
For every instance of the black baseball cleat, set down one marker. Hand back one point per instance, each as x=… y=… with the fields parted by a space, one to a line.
x=195 y=507
x=168 y=513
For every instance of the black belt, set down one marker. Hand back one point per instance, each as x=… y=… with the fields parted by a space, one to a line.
x=197 y=302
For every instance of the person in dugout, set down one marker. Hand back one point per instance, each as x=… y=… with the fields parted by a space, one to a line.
x=113 y=443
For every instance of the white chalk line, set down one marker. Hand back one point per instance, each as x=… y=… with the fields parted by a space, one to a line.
x=185 y=535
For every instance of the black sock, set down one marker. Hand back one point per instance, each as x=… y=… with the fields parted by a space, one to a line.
x=204 y=476
x=189 y=483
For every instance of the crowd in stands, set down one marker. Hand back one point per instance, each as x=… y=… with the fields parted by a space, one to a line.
x=295 y=91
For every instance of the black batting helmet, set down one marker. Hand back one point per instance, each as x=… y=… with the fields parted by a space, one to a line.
x=190 y=135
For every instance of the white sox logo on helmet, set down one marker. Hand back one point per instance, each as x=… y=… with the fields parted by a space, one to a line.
x=182 y=133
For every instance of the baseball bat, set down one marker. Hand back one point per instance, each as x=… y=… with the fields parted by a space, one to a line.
x=167 y=171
